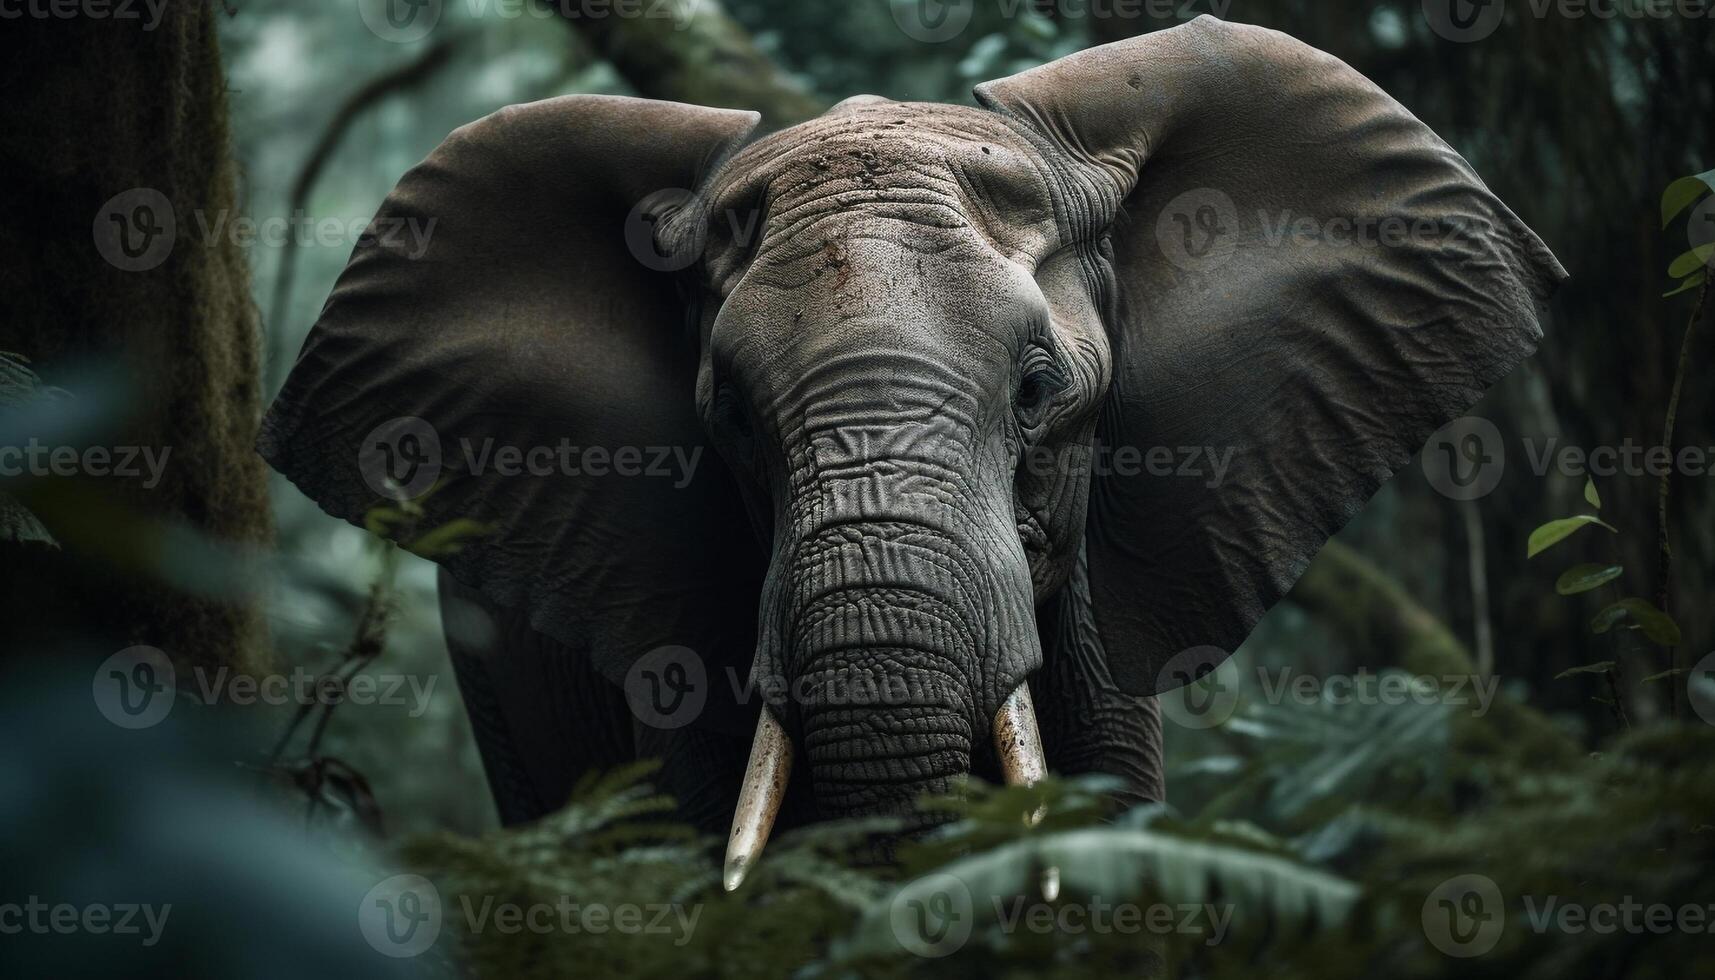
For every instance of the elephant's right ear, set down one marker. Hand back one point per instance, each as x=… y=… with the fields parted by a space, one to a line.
x=497 y=344
x=1303 y=283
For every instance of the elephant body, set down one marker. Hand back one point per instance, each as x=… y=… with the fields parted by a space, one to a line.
x=542 y=717
x=934 y=354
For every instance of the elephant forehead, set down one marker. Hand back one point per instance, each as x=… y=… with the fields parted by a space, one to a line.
x=935 y=166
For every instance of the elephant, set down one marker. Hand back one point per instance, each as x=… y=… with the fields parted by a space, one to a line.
x=936 y=352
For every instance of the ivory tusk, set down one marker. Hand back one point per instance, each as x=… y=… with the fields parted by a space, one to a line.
x=759 y=798
x=1019 y=743
x=1023 y=763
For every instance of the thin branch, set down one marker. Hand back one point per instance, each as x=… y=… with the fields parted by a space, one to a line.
x=406 y=76
x=1476 y=550
x=699 y=55
x=1664 y=568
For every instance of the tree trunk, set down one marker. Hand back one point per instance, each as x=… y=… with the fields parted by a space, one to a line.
x=122 y=283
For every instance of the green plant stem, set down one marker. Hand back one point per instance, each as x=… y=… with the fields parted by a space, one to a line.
x=1618 y=706
x=1664 y=568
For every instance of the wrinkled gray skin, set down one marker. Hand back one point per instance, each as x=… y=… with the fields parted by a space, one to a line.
x=875 y=366
x=904 y=327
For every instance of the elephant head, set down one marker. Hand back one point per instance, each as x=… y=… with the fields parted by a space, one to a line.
x=926 y=340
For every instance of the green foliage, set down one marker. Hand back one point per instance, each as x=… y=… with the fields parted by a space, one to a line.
x=1556 y=531
x=399 y=522
x=1682 y=193
x=19 y=386
x=1691 y=268
x=1658 y=626
x=1628 y=613
x=1318 y=884
x=1587 y=576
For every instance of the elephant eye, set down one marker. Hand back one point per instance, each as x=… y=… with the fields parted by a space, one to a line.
x=1040 y=383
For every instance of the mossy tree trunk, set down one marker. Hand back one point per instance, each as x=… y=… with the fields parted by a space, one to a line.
x=122 y=282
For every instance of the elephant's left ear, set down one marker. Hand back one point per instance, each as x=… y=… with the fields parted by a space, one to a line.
x=509 y=337
x=1304 y=283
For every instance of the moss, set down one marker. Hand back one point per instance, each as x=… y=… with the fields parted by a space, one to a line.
x=95 y=108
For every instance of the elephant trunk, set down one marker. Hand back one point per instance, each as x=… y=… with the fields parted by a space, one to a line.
x=881 y=634
x=898 y=619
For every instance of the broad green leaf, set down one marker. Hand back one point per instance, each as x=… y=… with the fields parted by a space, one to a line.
x=1602 y=667
x=1590 y=494
x=1682 y=192
x=1583 y=578
x=1691 y=261
x=1658 y=627
x=1554 y=532
x=1604 y=621
x=1688 y=284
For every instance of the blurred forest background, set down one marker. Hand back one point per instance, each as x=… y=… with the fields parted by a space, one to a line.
x=1580 y=124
